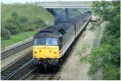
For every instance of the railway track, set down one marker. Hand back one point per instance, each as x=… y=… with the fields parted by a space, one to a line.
x=32 y=75
x=16 y=49
x=20 y=72
x=11 y=69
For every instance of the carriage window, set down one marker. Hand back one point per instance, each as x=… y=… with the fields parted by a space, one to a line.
x=45 y=41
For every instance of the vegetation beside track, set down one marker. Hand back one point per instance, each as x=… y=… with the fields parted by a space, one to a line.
x=16 y=38
x=20 y=21
x=109 y=50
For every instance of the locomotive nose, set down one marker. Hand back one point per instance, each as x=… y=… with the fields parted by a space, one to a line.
x=41 y=52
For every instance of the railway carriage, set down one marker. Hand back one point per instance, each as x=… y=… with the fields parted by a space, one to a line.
x=50 y=44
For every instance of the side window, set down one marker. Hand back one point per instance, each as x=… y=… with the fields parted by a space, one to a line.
x=60 y=42
x=62 y=31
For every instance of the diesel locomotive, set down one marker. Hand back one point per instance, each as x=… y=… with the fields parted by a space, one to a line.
x=50 y=44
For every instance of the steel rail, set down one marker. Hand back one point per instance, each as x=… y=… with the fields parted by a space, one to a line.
x=15 y=74
x=15 y=49
x=30 y=75
x=15 y=65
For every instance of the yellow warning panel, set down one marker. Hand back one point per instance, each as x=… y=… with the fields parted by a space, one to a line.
x=45 y=52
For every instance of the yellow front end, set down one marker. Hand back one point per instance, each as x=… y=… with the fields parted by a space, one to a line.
x=41 y=52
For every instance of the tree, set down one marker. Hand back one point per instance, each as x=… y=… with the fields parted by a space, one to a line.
x=14 y=15
x=109 y=50
x=23 y=19
x=102 y=9
x=12 y=24
x=5 y=33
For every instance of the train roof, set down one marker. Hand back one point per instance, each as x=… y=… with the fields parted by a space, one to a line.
x=78 y=18
x=54 y=31
x=61 y=28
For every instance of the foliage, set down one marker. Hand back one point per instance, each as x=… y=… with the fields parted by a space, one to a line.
x=12 y=24
x=111 y=72
x=5 y=34
x=107 y=55
x=36 y=24
x=30 y=11
x=23 y=19
x=102 y=9
x=14 y=15
x=16 y=38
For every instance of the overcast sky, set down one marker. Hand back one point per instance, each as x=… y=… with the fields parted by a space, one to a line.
x=23 y=1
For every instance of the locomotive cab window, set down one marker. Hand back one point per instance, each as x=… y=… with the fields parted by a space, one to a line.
x=46 y=41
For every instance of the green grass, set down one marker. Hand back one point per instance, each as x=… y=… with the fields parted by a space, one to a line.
x=16 y=38
x=29 y=10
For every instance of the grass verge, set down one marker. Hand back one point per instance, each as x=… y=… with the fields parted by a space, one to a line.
x=16 y=38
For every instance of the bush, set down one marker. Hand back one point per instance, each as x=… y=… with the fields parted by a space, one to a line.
x=12 y=27
x=12 y=24
x=14 y=15
x=30 y=27
x=39 y=22
x=5 y=34
x=35 y=25
x=23 y=19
